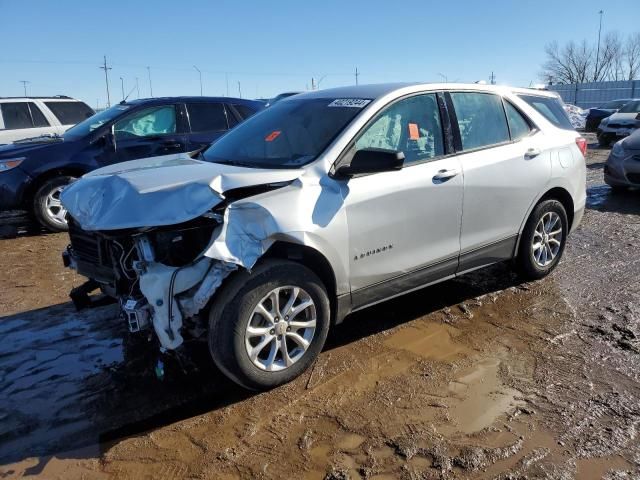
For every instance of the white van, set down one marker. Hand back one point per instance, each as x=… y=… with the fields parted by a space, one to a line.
x=28 y=117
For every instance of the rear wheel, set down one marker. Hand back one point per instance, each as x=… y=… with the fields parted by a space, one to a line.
x=543 y=240
x=268 y=326
x=47 y=207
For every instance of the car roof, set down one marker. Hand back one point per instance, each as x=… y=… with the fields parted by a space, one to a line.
x=375 y=91
x=53 y=97
x=193 y=99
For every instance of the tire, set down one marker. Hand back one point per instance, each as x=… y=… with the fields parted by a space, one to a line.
x=604 y=141
x=234 y=309
x=532 y=263
x=618 y=189
x=46 y=204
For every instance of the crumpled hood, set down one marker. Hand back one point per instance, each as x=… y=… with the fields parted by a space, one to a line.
x=158 y=191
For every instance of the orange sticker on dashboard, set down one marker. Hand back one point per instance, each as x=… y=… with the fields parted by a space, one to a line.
x=272 y=136
x=414 y=133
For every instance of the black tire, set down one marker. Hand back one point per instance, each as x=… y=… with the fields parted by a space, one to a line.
x=527 y=265
x=618 y=189
x=604 y=141
x=40 y=209
x=232 y=310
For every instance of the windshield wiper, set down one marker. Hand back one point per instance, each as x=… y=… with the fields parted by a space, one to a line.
x=47 y=137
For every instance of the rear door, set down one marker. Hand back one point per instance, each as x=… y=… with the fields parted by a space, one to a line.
x=148 y=132
x=404 y=226
x=207 y=122
x=22 y=120
x=505 y=165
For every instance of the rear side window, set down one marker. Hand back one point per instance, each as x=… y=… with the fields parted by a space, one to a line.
x=207 y=117
x=481 y=119
x=70 y=113
x=244 y=111
x=551 y=109
x=518 y=125
x=22 y=115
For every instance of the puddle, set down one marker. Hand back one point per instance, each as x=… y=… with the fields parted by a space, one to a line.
x=350 y=441
x=481 y=396
x=595 y=468
x=430 y=340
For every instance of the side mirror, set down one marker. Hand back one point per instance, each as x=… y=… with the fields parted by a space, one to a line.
x=372 y=160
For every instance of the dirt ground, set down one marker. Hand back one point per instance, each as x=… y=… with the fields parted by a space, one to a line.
x=479 y=377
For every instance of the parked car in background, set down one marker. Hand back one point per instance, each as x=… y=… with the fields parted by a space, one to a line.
x=323 y=204
x=596 y=115
x=27 y=117
x=620 y=124
x=34 y=172
x=622 y=169
x=279 y=97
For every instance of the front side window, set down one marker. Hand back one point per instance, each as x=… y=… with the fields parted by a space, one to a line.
x=518 y=125
x=286 y=135
x=411 y=125
x=149 y=122
x=69 y=113
x=207 y=117
x=481 y=119
x=16 y=115
x=551 y=109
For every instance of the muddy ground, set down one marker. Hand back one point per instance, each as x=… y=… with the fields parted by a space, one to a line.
x=479 y=377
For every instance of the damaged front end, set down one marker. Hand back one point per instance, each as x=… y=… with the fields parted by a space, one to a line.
x=154 y=235
x=159 y=275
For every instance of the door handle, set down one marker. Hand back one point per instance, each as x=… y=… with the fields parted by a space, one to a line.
x=532 y=153
x=446 y=174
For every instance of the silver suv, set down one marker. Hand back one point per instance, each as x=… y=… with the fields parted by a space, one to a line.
x=323 y=204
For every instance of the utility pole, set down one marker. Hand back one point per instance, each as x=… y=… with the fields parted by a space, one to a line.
x=199 y=73
x=106 y=79
x=444 y=77
x=137 y=87
x=122 y=87
x=313 y=84
x=492 y=79
x=226 y=78
x=595 y=75
x=357 y=75
x=150 y=86
x=24 y=85
x=239 y=91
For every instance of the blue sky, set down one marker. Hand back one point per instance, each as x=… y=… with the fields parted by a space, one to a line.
x=275 y=46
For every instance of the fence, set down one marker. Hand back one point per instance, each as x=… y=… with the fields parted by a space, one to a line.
x=593 y=94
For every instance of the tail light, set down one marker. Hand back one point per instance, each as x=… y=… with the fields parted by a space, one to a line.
x=581 y=142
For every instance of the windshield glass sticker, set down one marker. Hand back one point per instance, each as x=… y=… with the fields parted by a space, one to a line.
x=350 y=102
x=272 y=136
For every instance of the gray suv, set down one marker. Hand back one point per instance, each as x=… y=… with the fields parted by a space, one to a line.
x=323 y=204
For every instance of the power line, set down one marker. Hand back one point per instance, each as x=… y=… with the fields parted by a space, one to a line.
x=106 y=79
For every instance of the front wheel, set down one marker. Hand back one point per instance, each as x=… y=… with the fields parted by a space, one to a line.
x=47 y=207
x=543 y=240
x=266 y=327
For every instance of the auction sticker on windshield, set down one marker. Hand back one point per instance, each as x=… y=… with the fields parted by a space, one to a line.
x=350 y=102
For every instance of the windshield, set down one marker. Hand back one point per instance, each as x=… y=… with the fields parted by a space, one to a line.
x=614 y=104
x=289 y=134
x=96 y=121
x=631 y=107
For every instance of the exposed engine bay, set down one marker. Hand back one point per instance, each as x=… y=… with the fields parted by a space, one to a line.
x=158 y=275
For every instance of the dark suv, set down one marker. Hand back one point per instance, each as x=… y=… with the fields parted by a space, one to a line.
x=34 y=171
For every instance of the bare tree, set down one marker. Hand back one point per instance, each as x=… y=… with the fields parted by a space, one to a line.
x=632 y=56
x=577 y=63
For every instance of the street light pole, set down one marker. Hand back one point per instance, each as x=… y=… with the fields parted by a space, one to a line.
x=239 y=90
x=200 y=74
x=137 y=87
x=595 y=76
x=122 y=87
x=150 y=86
x=444 y=77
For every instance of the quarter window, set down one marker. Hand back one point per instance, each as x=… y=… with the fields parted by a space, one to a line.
x=518 y=126
x=243 y=110
x=147 y=123
x=207 y=117
x=411 y=125
x=16 y=115
x=551 y=109
x=481 y=119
